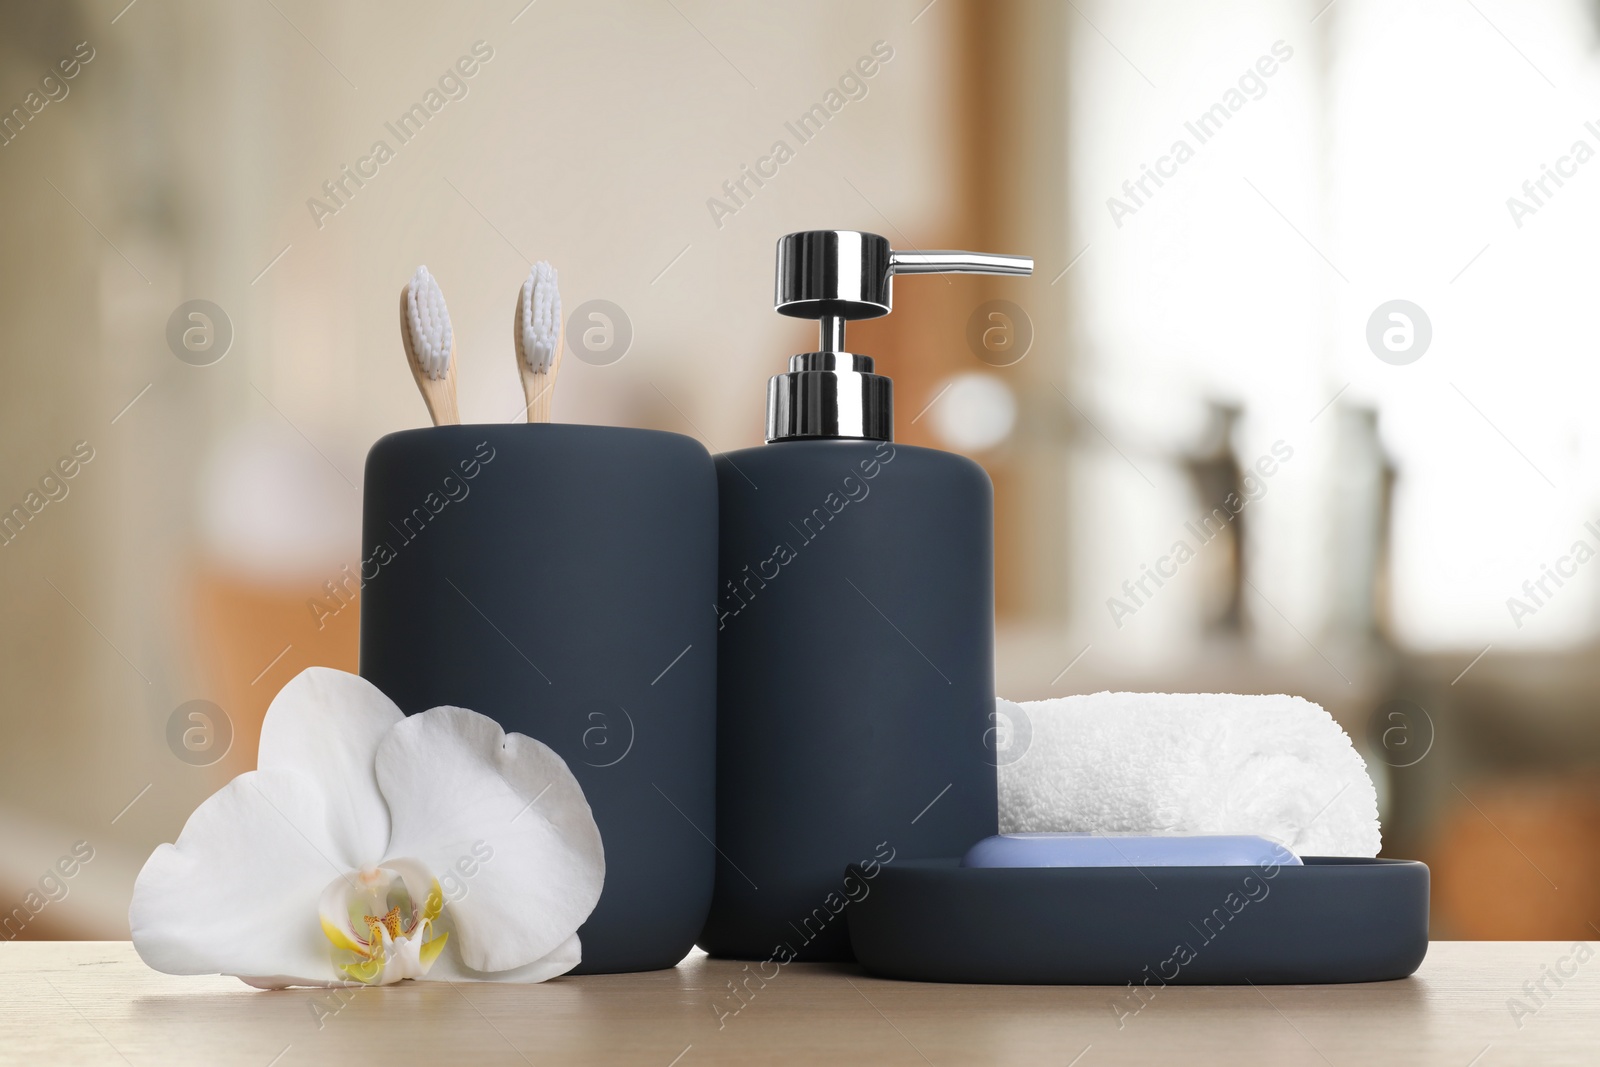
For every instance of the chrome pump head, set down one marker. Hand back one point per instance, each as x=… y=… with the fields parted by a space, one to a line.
x=834 y=276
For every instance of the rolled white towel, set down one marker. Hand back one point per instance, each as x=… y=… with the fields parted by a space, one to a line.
x=1195 y=763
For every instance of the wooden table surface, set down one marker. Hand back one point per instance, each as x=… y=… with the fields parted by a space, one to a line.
x=95 y=1002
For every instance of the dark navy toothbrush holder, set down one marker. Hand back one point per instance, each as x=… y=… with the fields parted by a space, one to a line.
x=560 y=579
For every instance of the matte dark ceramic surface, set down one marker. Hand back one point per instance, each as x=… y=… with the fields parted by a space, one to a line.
x=1331 y=920
x=559 y=578
x=856 y=679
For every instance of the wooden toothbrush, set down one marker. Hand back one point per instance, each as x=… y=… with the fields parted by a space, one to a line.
x=538 y=335
x=430 y=346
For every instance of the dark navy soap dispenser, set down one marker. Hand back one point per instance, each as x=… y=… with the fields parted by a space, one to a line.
x=855 y=619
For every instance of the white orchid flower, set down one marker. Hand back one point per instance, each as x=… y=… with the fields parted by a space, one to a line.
x=323 y=866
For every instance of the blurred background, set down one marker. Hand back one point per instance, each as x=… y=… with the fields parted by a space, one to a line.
x=1312 y=300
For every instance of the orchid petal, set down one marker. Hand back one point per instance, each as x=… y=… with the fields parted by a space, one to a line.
x=504 y=813
x=449 y=968
x=327 y=725
x=430 y=951
x=236 y=894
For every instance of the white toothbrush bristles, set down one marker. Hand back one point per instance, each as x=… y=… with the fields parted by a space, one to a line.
x=429 y=322
x=538 y=318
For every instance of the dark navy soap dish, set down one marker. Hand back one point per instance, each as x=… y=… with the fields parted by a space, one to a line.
x=1330 y=920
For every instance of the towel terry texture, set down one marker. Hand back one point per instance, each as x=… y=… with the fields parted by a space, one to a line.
x=1190 y=763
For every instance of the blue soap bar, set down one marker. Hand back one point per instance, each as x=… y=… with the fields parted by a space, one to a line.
x=1127 y=850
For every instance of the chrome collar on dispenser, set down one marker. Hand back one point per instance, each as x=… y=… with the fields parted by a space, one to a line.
x=835 y=276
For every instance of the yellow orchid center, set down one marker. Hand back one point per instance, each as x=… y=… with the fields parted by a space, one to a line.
x=390 y=922
x=380 y=922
